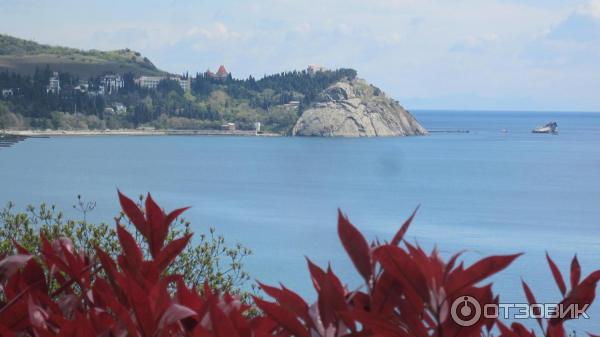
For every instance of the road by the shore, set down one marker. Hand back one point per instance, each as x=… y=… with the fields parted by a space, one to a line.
x=137 y=132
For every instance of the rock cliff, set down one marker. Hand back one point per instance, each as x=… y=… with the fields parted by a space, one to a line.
x=356 y=109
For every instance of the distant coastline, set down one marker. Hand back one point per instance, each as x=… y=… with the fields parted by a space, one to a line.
x=138 y=132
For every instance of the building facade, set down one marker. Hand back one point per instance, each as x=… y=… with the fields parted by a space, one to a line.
x=7 y=93
x=112 y=83
x=151 y=82
x=221 y=74
x=53 y=84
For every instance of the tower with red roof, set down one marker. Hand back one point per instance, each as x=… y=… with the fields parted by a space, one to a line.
x=222 y=73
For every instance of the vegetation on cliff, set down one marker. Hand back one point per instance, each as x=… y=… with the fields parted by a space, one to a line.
x=276 y=101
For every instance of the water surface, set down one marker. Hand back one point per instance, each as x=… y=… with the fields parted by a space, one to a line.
x=484 y=191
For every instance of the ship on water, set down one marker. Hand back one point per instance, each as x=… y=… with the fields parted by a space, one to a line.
x=551 y=128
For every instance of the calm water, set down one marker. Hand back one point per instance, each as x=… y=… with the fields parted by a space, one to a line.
x=485 y=191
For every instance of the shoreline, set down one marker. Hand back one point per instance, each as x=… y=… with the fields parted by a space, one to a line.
x=135 y=132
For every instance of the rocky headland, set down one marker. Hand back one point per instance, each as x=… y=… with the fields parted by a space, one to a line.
x=354 y=108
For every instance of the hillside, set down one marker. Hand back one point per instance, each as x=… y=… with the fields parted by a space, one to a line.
x=23 y=56
x=80 y=97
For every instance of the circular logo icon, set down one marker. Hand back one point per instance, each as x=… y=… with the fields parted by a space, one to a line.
x=465 y=311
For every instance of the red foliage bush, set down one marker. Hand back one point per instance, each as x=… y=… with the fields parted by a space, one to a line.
x=408 y=292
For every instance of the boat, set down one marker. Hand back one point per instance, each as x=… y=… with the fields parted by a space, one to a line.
x=551 y=127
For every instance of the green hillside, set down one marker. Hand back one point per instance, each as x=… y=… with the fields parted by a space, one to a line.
x=23 y=56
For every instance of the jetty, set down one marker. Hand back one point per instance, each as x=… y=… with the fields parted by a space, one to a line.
x=449 y=131
x=8 y=140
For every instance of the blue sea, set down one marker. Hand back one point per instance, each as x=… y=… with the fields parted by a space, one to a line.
x=485 y=191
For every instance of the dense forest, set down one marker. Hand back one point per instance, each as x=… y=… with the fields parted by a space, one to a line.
x=276 y=101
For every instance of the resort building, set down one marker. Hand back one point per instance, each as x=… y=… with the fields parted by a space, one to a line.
x=228 y=127
x=185 y=84
x=7 y=93
x=151 y=82
x=119 y=108
x=222 y=74
x=53 y=84
x=112 y=83
x=82 y=87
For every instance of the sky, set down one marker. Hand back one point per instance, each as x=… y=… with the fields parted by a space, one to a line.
x=428 y=54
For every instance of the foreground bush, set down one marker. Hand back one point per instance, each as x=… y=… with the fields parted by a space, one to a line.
x=207 y=259
x=407 y=291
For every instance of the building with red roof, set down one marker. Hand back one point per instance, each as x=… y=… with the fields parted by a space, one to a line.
x=221 y=74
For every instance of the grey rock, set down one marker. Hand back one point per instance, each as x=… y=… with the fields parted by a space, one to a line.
x=356 y=109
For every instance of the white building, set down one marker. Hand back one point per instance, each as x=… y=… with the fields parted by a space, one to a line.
x=7 y=93
x=228 y=126
x=151 y=82
x=186 y=84
x=53 y=84
x=112 y=83
x=82 y=87
x=119 y=108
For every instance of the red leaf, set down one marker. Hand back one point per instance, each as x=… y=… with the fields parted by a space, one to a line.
x=135 y=215
x=173 y=215
x=398 y=264
x=356 y=246
x=5 y=332
x=175 y=313
x=158 y=231
x=10 y=264
x=317 y=274
x=381 y=326
x=581 y=295
x=556 y=330
x=37 y=315
x=285 y=318
x=171 y=251
x=400 y=234
x=575 y=272
x=331 y=300
x=560 y=282
x=131 y=251
x=479 y=271
x=288 y=299
x=516 y=330
x=531 y=299
x=221 y=324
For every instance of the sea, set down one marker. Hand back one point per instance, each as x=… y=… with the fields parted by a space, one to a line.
x=498 y=189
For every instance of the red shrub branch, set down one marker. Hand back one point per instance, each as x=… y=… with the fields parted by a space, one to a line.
x=407 y=292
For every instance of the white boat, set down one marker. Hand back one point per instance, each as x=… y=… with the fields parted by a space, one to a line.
x=548 y=128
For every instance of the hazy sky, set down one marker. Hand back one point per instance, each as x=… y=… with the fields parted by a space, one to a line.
x=456 y=54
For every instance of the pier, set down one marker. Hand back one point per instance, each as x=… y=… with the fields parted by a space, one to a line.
x=8 y=140
x=448 y=131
